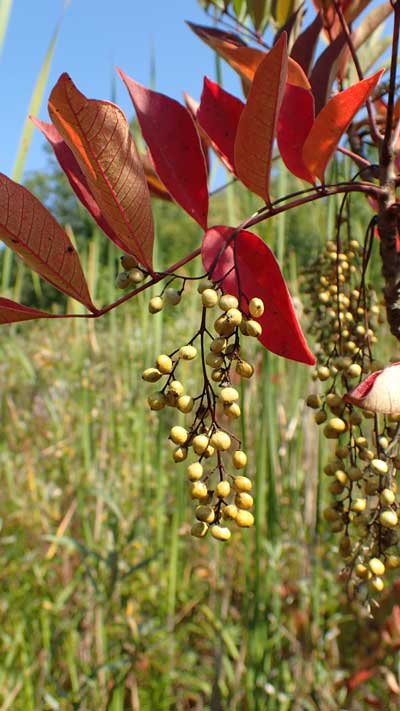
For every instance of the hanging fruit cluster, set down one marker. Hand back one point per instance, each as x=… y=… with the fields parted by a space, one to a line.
x=221 y=496
x=362 y=471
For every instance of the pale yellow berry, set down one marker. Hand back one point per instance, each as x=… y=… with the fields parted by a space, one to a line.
x=379 y=466
x=228 y=395
x=234 y=317
x=157 y=401
x=164 y=364
x=194 y=471
x=205 y=513
x=217 y=375
x=209 y=452
x=136 y=275
x=205 y=284
x=221 y=441
x=172 y=296
x=242 y=483
x=387 y=497
x=244 y=369
x=223 y=326
x=228 y=301
x=331 y=514
x=128 y=262
x=232 y=411
x=187 y=352
x=198 y=490
x=180 y=454
x=323 y=373
x=244 y=519
x=361 y=571
x=239 y=459
x=334 y=427
x=223 y=489
x=320 y=417
x=359 y=505
x=151 y=375
x=313 y=401
x=122 y=281
x=176 y=388
x=243 y=500
x=199 y=529
x=230 y=511
x=156 y=304
x=253 y=328
x=185 y=403
x=256 y=307
x=200 y=443
x=354 y=370
x=214 y=360
x=376 y=566
x=388 y=518
x=178 y=435
x=393 y=561
x=218 y=345
x=377 y=584
x=221 y=533
x=209 y=298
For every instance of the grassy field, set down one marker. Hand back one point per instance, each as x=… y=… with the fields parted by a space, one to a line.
x=107 y=602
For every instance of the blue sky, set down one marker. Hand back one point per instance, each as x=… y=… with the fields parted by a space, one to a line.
x=97 y=35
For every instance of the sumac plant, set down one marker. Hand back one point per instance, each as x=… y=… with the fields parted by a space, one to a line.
x=311 y=109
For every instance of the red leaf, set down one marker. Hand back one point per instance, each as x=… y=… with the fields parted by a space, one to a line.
x=304 y=48
x=174 y=145
x=98 y=134
x=192 y=105
x=259 y=275
x=11 y=312
x=75 y=176
x=325 y=70
x=29 y=229
x=257 y=126
x=332 y=122
x=359 y=677
x=218 y=115
x=379 y=392
x=296 y=118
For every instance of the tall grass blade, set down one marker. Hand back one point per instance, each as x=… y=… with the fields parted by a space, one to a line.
x=5 y=10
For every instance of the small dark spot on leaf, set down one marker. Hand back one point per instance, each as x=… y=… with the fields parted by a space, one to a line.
x=70 y=249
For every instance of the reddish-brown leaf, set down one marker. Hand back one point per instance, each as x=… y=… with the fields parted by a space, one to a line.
x=257 y=125
x=98 y=135
x=332 y=122
x=325 y=71
x=11 y=312
x=360 y=677
x=28 y=228
x=76 y=178
x=218 y=115
x=291 y=25
x=304 y=48
x=379 y=392
x=244 y=60
x=248 y=261
x=296 y=118
x=156 y=187
x=174 y=146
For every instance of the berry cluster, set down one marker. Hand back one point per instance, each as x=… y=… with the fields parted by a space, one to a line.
x=363 y=509
x=133 y=273
x=221 y=497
